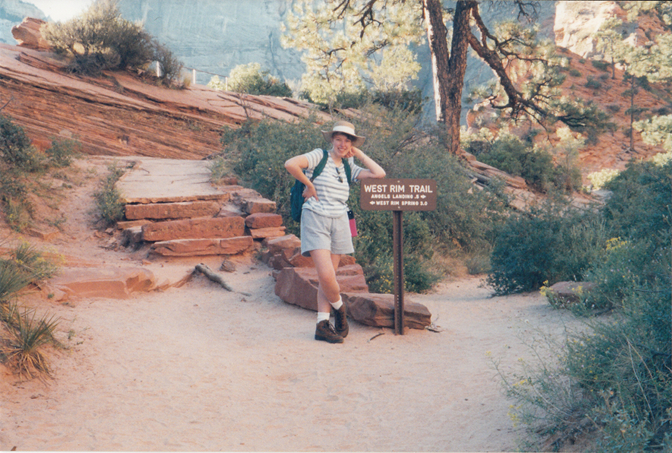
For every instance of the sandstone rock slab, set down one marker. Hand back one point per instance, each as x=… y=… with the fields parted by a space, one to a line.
x=263 y=233
x=171 y=211
x=277 y=244
x=378 y=310
x=111 y=283
x=298 y=286
x=260 y=205
x=219 y=227
x=203 y=247
x=263 y=220
x=28 y=34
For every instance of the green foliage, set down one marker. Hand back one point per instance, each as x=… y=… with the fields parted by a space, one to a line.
x=109 y=205
x=522 y=158
x=16 y=150
x=575 y=72
x=61 y=153
x=615 y=372
x=342 y=59
x=592 y=83
x=550 y=244
x=100 y=39
x=251 y=79
x=20 y=162
x=171 y=66
x=464 y=218
x=601 y=65
x=401 y=99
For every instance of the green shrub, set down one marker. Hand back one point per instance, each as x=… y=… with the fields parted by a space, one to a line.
x=575 y=72
x=16 y=150
x=601 y=65
x=251 y=79
x=519 y=157
x=28 y=335
x=171 y=66
x=410 y=101
x=61 y=153
x=616 y=370
x=545 y=246
x=109 y=205
x=101 y=39
x=592 y=83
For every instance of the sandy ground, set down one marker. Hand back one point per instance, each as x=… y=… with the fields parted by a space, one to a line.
x=199 y=368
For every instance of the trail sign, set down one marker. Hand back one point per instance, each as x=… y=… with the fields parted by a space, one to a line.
x=398 y=195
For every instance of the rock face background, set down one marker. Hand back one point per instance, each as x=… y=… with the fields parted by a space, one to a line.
x=216 y=35
x=12 y=13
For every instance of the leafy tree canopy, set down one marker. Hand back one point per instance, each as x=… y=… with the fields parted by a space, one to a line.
x=341 y=57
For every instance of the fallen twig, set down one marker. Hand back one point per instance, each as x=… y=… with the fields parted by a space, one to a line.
x=376 y=336
x=205 y=270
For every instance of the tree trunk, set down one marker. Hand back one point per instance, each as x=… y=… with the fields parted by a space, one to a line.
x=457 y=66
x=450 y=66
x=438 y=47
x=435 y=75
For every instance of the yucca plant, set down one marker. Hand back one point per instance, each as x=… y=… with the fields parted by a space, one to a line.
x=11 y=281
x=28 y=335
x=31 y=261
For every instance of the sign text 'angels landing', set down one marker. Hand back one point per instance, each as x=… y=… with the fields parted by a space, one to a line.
x=398 y=195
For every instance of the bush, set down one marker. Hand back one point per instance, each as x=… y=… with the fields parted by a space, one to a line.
x=592 y=83
x=575 y=72
x=28 y=336
x=545 y=246
x=601 y=65
x=100 y=39
x=617 y=369
x=61 y=153
x=519 y=157
x=15 y=147
x=410 y=101
x=109 y=205
x=250 y=79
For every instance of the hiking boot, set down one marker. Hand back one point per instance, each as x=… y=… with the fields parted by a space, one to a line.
x=325 y=332
x=341 y=322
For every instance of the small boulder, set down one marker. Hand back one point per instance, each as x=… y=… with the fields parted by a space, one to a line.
x=298 y=285
x=378 y=310
x=568 y=293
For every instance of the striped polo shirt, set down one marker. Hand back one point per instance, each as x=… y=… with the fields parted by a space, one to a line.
x=332 y=185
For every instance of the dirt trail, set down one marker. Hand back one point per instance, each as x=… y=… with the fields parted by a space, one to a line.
x=199 y=368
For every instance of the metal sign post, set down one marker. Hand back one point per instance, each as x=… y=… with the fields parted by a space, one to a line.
x=398 y=195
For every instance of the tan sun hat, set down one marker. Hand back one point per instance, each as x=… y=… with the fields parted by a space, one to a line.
x=345 y=128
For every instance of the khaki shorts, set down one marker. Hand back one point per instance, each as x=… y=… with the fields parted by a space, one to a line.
x=325 y=233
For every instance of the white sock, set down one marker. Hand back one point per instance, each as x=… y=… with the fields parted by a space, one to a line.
x=337 y=304
x=321 y=316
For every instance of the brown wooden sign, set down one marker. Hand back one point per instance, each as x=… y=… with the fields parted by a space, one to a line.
x=398 y=195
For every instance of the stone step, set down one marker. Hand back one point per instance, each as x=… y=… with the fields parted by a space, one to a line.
x=218 y=227
x=172 y=211
x=202 y=247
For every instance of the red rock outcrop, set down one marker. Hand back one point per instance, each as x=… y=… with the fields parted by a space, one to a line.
x=28 y=34
x=119 y=114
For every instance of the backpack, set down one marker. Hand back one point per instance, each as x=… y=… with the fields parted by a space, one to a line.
x=296 y=194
